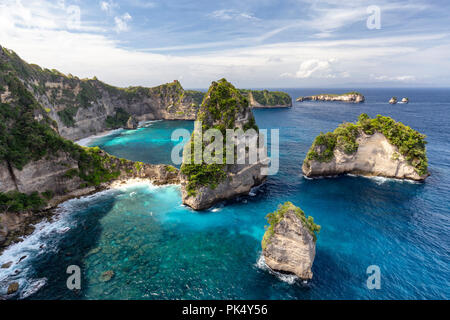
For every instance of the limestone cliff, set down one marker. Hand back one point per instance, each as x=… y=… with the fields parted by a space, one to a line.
x=352 y=97
x=204 y=184
x=371 y=147
x=39 y=168
x=84 y=107
x=289 y=244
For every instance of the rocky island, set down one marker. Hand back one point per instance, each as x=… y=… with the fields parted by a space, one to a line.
x=370 y=147
x=352 y=97
x=393 y=100
x=264 y=99
x=203 y=184
x=289 y=244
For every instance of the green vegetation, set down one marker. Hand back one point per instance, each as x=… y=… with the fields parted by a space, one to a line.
x=410 y=143
x=24 y=139
x=16 y=202
x=268 y=98
x=171 y=169
x=96 y=167
x=218 y=110
x=87 y=94
x=67 y=115
x=119 y=120
x=275 y=217
x=197 y=96
x=337 y=95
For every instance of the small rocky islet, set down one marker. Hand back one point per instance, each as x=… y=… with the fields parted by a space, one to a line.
x=289 y=243
x=394 y=100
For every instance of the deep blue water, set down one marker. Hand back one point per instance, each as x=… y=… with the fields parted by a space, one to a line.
x=159 y=249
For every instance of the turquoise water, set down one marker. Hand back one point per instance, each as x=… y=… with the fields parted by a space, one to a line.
x=159 y=249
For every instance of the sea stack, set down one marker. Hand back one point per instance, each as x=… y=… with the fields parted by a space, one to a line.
x=349 y=97
x=405 y=100
x=370 y=147
x=289 y=244
x=393 y=100
x=204 y=183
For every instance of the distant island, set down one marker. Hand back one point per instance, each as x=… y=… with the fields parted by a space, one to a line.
x=352 y=97
x=370 y=147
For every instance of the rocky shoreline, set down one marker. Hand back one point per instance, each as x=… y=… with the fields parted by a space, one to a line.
x=17 y=225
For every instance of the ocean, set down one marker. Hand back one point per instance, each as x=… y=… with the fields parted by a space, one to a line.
x=160 y=249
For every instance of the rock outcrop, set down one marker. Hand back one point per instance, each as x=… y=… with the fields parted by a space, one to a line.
x=393 y=100
x=351 y=97
x=371 y=147
x=205 y=184
x=289 y=244
x=405 y=100
x=132 y=123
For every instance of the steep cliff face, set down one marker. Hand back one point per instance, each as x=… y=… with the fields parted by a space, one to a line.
x=352 y=97
x=39 y=168
x=289 y=244
x=206 y=183
x=83 y=107
x=371 y=147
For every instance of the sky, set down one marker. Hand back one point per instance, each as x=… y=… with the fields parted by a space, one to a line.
x=252 y=43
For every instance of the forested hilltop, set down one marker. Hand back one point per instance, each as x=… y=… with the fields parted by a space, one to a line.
x=84 y=107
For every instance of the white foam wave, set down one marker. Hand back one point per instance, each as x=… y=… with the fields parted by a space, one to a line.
x=380 y=180
x=32 y=287
x=87 y=141
x=22 y=254
x=147 y=123
x=288 y=278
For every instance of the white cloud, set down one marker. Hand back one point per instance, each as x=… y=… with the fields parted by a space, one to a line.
x=142 y=4
x=122 y=22
x=314 y=66
x=229 y=14
x=39 y=34
x=403 y=78
x=108 y=6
